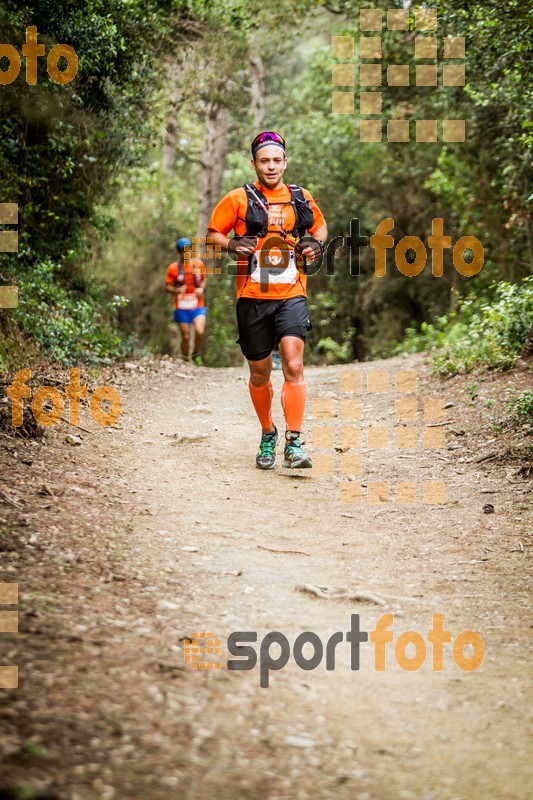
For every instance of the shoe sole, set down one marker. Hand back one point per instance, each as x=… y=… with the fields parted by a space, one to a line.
x=307 y=464
x=272 y=466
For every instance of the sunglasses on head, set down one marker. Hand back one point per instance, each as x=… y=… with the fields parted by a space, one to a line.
x=268 y=136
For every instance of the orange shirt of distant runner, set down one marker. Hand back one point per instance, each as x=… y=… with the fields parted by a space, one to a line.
x=190 y=268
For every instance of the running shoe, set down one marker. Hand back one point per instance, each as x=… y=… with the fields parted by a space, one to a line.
x=295 y=457
x=197 y=359
x=266 y=455
x=276 y=360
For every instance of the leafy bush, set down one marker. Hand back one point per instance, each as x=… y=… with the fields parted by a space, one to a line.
x=520 y=408
x=331 y=352
x=69 y=328
x=482 y=333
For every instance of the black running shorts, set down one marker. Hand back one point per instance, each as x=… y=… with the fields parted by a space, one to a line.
x=262 y=323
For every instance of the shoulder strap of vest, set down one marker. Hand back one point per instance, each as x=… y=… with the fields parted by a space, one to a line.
x=302 y=211
x=256 y=216
x=296 y=191
x=252 y=190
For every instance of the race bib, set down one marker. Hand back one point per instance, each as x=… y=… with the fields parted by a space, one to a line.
x=187 y=302
x=273 y=266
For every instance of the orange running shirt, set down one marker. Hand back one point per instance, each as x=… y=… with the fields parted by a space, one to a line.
x=230 y=214
x=191 y=267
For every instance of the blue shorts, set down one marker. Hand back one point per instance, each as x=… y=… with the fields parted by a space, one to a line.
x=185 y=316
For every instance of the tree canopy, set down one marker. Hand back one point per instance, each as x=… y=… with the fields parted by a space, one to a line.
x=110 y=168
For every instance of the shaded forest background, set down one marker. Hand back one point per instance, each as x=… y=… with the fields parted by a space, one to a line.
x=109 y=170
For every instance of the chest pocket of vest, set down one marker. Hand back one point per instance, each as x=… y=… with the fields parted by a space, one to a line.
x=257 y=218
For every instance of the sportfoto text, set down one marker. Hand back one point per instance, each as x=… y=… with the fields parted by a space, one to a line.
x=47 y=403
x=381 y=241
x=31 y=51
x=380 y=637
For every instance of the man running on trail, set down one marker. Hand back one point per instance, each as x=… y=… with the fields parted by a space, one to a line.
x=271 y=286
x=186 y=281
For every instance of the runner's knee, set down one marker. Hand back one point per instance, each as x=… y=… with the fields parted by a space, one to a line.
x=259 y=373
x=293 y=369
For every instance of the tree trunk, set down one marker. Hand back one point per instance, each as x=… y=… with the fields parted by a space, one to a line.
x=170 y=133
x=213 y=161
x=257 y=79
x=527 y=347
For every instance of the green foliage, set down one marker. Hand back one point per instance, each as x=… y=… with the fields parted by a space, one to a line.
x=83 y=163
x=222 y=351
x=520 y=408
x=62 y=149
x=472 y=392
x=331 y=352
x=35 y=749
x=483 y=333
x=15 y=348
x=68 y=327
x=429 y=335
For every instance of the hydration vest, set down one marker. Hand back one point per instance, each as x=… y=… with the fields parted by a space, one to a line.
x=257 y=218
x=180 y=281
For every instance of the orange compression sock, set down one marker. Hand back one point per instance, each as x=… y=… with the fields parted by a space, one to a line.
x=262 y=400
x=293 y=401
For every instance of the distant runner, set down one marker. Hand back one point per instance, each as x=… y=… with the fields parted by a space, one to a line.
x=271 y=287
x=276 y=360
x=186 y=281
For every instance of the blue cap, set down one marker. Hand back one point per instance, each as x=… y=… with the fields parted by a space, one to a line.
x=181 y=244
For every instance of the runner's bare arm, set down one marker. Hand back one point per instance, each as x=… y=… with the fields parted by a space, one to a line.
x=321 y=234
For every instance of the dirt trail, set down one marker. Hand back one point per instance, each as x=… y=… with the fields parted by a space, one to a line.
x=107 y=708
